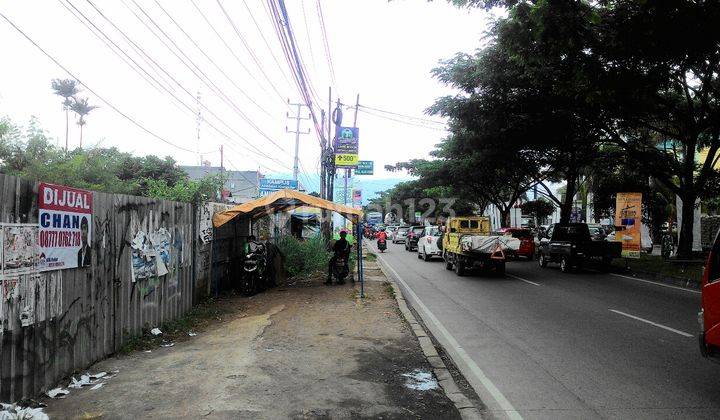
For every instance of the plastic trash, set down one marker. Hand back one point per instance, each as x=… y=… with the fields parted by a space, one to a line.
x=57 y=393
x=14 y=412
x=155 y=331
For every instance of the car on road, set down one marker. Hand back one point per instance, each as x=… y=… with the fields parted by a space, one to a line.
x=427 y=245
x=527 y=241
x=571 y=245
x=400 y=235
x=412 y=237
x=709 y=316
x=390 y=231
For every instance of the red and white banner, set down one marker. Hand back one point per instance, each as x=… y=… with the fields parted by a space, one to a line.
x=65 y=227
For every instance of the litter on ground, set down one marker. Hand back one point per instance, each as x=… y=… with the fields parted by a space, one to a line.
x=155 y=331
x=192 y=334
x=420 y=380
x=57 y=393
x=98 y=386
x=14 y=412
x=167 y=344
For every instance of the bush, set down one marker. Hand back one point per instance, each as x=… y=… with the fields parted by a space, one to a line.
x=304 y=258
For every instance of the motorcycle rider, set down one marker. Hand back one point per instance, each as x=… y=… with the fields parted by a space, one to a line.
x=341 y=248
x=381 y=235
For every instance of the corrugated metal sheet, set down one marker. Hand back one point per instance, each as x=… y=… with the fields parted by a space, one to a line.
x=86 y=314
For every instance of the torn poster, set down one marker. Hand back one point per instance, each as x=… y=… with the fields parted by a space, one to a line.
x=19 y=249
x=150 y=254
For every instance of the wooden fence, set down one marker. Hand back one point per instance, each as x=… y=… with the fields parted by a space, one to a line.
x=82 y=315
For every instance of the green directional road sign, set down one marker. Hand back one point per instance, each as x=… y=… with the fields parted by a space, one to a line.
x=365 y=167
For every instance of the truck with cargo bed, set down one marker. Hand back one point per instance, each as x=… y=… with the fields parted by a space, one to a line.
x=468 y=243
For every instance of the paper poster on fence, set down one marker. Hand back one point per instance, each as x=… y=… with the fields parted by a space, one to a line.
x=150 y=254
x=628 y=220
x=65 y=222
x=19 y=249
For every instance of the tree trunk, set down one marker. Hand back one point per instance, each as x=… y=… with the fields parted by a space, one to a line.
x=504 y=216
x=567 y=203
x=685 y=243
x=81 y=136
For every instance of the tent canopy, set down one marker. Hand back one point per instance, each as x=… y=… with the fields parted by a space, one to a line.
x=280 y=201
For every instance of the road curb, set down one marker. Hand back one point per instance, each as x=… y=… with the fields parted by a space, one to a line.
x=464 y=406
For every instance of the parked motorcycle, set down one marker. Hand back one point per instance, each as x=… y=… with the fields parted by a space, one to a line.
x=382 y=244
x=340 y=269
x=253 y=278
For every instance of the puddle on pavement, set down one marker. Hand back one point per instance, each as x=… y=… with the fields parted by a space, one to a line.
x=420 y=380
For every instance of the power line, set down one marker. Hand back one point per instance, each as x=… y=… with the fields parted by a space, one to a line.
x=214 y=88
x=129 y=40
x=211 y=60
x=326 y=44
x=247 y=47
x=267 y=44
x=401 y=121
x=162 y=86
x=227 y=46
x=419 y=119
x=105 y=101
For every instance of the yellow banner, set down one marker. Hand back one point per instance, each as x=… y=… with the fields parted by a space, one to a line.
x=346 y=160
x=628 y=222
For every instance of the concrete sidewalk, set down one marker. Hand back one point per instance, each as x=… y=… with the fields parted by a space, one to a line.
x=299 y=351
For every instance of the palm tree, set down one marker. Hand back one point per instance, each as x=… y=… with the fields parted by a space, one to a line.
x=66 y=88
x=82 y=108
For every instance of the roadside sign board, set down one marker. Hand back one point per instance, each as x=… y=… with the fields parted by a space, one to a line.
x=365 y=167
x=628 y=214
x=346 y=147
x=270 y=185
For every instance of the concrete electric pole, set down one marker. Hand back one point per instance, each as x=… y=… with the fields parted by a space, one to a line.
x=297 y=132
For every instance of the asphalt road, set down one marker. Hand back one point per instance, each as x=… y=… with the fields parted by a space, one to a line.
x=539 y=343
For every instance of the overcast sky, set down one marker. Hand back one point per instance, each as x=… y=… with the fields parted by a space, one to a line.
x=382 y=50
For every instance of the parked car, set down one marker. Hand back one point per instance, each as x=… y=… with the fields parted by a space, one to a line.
x=412 y=237
x=527 y=241
x=709 y=315
x=400 y=235
x=427 y=246
x=571 y=246
x=597 y=232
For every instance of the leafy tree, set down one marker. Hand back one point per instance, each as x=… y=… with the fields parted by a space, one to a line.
x=65 y=88
x=660 y=96
x=538 y=209
x=82 y=108
x=207 y=188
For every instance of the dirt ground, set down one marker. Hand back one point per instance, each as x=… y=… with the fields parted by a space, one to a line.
x=299 y=351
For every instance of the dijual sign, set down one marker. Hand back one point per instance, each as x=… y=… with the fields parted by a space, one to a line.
x=65 y=226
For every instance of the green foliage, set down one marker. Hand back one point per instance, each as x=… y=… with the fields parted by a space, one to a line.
x=31 y=154
x=304 y=257
x=541 y=209
x=206 y=189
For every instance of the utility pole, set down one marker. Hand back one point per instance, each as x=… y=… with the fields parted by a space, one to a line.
x=199 y=121
x=322 y=154
x=347 y=171
x=297 y=132
x=222 y=159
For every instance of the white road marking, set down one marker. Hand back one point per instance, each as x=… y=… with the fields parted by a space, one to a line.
x=522 y=279
x=683 y=333
x=656 y=283
x=480 y=376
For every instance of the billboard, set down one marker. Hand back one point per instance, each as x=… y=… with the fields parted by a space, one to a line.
x=346 y=147
x=270 y=185
x=65 y=227
x=365 y=167
x=628 y=222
